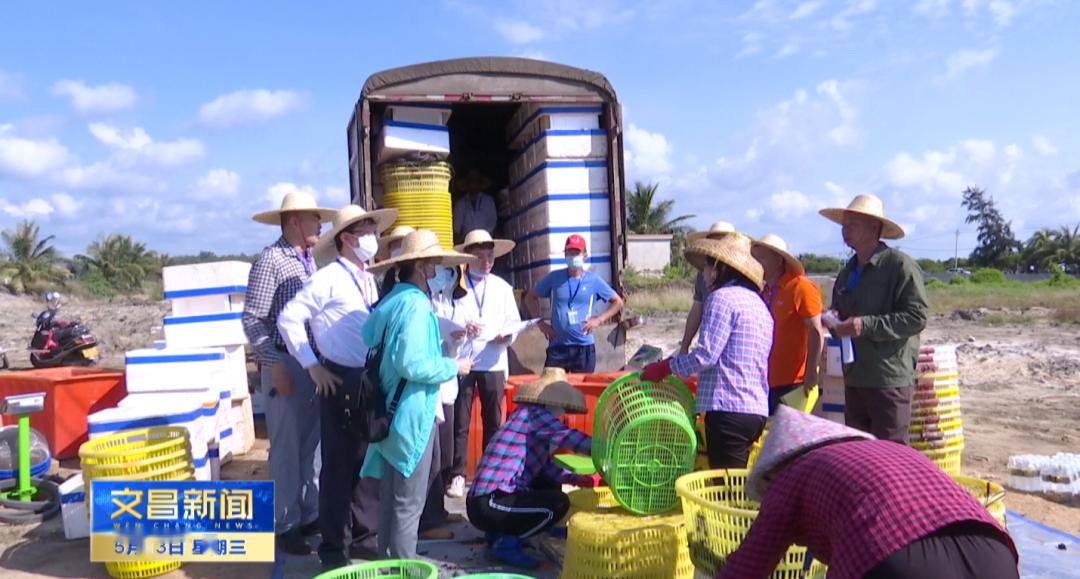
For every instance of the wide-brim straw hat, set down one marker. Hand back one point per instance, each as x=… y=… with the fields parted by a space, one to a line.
x=424 y=244
x=295 y=201
x=389 y=237
x=777 y=245
x=345 y=218
x=792 y=434
x=870 y=206
x=719 y=228
x=552 y=389
x=732 y=250
x=480 y=237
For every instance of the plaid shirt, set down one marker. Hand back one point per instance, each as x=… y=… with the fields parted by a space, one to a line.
x=732 y=353
x=276 y=276
x=520 y=452
x=853 y=504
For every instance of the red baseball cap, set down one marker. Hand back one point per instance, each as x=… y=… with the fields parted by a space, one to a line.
x=575 y=242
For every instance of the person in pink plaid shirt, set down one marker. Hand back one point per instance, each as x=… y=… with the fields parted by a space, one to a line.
x=732 y=355
x=865 y=507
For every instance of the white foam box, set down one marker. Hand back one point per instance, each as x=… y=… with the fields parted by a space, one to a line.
x=553 y=117
x=236 y=374
x=539 y=268
x=560 y=176
x=175 y=369
x=205 y=331
x=559 y=144
x=178 y=412
x=206 y=288
x=214 y=425
x=73 y=508
x=424 y=114
x=552 y=241
x=242 y=419
x=399 y=138
x=258 y=403
x=833 y=358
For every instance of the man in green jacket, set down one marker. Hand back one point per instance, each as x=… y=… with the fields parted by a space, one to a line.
x=880 y=302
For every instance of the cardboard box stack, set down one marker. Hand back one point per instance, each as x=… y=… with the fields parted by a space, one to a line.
x=197 y=377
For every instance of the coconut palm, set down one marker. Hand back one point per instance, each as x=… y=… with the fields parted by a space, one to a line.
x=647 y=215
x=124 y=263
x=27 y=261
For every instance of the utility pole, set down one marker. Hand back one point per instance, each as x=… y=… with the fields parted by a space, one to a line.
x=956 y=251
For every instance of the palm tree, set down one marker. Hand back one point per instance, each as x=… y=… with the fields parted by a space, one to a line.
x=26 y=260
x=1050 y=249
x=124 y=263
x=646 y=215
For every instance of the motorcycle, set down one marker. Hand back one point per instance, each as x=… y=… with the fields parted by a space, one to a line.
x=59 y=342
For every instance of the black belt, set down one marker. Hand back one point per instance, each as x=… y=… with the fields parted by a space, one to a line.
x=339 y=369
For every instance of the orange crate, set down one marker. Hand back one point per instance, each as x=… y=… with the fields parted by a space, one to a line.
x=70 y=395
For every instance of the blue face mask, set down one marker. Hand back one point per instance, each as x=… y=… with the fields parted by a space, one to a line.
x=575 y=262
x=443 y=280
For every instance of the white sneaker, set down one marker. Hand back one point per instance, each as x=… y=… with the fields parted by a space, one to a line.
x=457 y=488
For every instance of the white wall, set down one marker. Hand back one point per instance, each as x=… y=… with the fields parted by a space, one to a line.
x=648 y=254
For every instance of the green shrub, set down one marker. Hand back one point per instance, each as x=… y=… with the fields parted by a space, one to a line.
x=93 y=283
x=934 y=282
x=988 y=276
x=1062 y=279
x=959 y=280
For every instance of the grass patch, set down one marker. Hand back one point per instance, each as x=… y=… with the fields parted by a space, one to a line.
x=946 y=299
x=999 y=320
x=660 y=298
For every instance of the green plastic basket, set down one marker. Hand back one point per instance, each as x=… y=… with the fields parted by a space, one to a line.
x=576 y=463
x=495 y=576
x=643 y=440
x=392 y=569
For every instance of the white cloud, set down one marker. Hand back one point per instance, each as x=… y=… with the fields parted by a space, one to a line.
x=790 y=48
x=11 y=86
x=931 y=173
x=337 y=196
x=28 y=158
x=32 y=209
x=1003 y=12
x=65 y=204
x=979 y=151
x=805 y=9
x=751 y=44
x=855 y=8
x=105 y=98
x=648 y=155
x=836 y=190
x=1044 y=146
x=141 y=147
x=1013 y=152
x=249 y=107
x=754 y=214
x=970 y=5
x=933 y=8
x=519 y=31
x=789 y=204
x=962 y=61
x=218 y=184
x=278 y=191
x=107 y=175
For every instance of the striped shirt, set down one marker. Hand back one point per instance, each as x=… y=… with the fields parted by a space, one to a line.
x=277 y=275
x=520 y=452
x=732 y=354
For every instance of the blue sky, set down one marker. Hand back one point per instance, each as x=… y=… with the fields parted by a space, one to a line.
x=176 y=121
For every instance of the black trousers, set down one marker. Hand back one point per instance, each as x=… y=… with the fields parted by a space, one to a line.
x=522 y=514
x=729 y=436
x=967 y=550
x=492 y=388
x=883 y=412
x=778 y=392
x=348 y=504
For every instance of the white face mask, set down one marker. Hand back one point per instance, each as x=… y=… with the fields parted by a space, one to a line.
x=367 y=249
x=442 y=281
x=395 y=252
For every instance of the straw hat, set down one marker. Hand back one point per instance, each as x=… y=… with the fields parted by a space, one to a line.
x=869 y=206
x=552 y=389
x=480 y=236
x=792 y=434
x=719 y=229
x=733 y=250
x=777 y=245
x=423 y=244
x=294 y=201
x=344 y=218
x=389 y=237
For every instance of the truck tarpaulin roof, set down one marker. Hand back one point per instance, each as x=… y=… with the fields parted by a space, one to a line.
x=489 y=76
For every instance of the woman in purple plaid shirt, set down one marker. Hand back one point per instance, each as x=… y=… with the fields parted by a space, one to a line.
x=732 y=355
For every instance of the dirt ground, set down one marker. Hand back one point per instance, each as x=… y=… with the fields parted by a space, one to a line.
x=1020 y=389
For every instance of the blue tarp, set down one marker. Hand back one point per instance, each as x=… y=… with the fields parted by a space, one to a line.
x=1045 y=552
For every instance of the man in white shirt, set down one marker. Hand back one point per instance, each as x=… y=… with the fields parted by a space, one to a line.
x=334 y=304
x=488 y=309
x=475 y=209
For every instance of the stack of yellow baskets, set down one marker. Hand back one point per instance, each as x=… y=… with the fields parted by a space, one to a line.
x=607 y=542
x=150 y=454
x=420 y=191
x=936 y=425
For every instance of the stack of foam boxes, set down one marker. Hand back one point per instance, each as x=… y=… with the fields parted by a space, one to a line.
x=414 y=128
x=196 y=377
x=831 y=402
x=559 y=187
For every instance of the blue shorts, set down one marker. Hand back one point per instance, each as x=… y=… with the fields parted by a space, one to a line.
x=575 y=359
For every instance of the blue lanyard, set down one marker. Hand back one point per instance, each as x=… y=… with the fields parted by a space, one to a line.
x=772 y=297
x=573 y=294
x=307 y=260
x=479 y=301
x=356 y=282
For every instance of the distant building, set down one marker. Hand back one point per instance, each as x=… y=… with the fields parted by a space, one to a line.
x=648 y=254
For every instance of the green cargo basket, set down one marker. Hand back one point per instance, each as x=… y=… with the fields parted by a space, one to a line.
x=494 y=576
x=643 y=440
x=392 y=569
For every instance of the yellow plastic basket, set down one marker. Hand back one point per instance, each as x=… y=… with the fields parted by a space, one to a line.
x=719 y=515
x=616 y=544
x=948 y=459
x=955 y=443
x=953 y=424
x=990 y=494
x=141 y=570
x=134 y=445
x=939 y=393
x=415 y=177
x=594 y=500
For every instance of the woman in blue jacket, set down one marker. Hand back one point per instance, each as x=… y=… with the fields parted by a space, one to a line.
x=413 y=352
